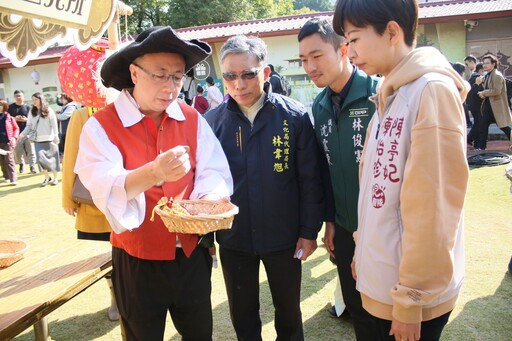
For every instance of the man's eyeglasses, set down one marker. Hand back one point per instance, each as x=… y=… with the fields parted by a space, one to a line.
x=245 y=75
x=177 y=78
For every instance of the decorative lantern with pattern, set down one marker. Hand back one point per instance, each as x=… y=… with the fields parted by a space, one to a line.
x=77 y=72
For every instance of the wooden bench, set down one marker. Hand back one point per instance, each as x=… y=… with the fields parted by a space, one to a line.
x=45 y=279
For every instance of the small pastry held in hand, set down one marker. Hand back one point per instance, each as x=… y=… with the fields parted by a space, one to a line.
x=171 y=165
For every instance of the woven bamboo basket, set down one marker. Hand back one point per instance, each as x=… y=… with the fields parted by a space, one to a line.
x=195 y=216
x=11 y=251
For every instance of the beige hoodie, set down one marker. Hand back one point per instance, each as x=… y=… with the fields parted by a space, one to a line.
x=414 y=175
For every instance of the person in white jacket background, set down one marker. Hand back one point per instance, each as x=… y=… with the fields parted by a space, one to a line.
x=409 y=256
x=63 y=117
x=42 y=129
x=214 y=96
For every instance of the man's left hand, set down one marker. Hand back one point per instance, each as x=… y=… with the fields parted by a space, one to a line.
x=215 y=197
x=307 y=246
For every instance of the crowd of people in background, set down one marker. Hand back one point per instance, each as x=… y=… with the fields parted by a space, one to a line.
x=488 y=100
x=33 y=135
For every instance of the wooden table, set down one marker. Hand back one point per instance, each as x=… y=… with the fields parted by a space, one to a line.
x=45 y=279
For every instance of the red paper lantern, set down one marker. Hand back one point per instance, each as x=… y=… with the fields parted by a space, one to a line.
x=77 y=70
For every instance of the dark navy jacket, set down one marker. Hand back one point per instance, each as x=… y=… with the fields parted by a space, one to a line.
x=277 y=180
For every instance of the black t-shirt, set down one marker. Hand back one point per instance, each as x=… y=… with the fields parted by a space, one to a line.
x=338 y=99
x=23 y=110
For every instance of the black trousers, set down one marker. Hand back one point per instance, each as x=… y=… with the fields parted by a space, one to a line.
x=145 y=290
x=364 y=324
x=474 y=133
x=466 y=114
x=241 y=275
x=487 y=119
x=7 y=163
x=430 y=330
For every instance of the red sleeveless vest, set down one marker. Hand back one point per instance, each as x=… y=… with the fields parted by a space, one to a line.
x=140 y=144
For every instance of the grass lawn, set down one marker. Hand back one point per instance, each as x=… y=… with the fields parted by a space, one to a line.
x=33 y=213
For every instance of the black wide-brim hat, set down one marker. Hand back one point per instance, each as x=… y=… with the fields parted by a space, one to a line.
x=115 y=70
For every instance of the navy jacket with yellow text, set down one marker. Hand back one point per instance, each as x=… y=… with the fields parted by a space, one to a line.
x=277 y=181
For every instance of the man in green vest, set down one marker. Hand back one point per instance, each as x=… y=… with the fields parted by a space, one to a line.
x=341 y=115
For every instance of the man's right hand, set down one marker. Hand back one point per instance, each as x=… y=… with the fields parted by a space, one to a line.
x=169 y=166
x=329 y=235
x=172 y=165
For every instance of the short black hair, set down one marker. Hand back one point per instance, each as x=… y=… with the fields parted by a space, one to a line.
x=18 y=92
x=479 y=66
x=209 y=80
x=378 y=13
x=199 y=89
x=459 y=67
x=324 y=28
x=471 y=58
x=66 y=97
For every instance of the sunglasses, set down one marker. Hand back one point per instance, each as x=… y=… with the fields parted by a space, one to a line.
x=245 y=75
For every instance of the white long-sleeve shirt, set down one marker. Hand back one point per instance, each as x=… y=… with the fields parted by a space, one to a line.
x=100 y=166
x=47 y=129
x=214 y=96
x=67 y=111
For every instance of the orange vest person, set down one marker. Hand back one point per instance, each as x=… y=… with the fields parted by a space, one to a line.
x=144 y=146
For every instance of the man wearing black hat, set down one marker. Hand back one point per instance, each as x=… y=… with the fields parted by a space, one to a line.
x=144 y=146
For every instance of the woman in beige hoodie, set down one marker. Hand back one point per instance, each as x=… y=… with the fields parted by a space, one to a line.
x=409 y=256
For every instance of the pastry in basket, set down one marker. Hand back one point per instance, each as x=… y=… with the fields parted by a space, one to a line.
x=176 y=209
x=195 y=216
x=170 y=207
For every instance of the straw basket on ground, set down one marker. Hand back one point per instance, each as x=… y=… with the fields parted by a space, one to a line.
x=195 y=216
x=11 y=251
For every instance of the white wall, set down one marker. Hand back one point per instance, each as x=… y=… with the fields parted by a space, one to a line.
x=281 y=48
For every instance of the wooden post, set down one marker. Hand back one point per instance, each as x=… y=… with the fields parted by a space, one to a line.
x=41 y=329
x=113 y=33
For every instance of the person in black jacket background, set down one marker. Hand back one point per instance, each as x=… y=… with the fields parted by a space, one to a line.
x=275 y=81
x=273 y=156
x=474 y=104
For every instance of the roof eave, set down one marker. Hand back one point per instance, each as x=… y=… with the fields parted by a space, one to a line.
x=52 y=57
x=5 y=63
x=473 y=16
x=222 y=39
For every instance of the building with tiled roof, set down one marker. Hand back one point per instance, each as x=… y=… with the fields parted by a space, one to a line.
x=429 y=12
x=455 y=27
